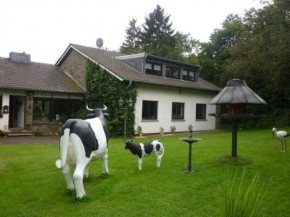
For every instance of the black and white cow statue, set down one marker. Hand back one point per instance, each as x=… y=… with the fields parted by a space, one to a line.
x=143 y=149
x=82 y=141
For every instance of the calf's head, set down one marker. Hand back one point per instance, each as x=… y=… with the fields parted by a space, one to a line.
x=128 y=144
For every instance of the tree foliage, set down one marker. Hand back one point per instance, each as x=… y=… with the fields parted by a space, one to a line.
x=255 y=48
x=157 y=37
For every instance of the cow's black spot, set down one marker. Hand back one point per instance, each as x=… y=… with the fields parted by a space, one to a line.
x=85 y=133
x=148 y=148
x=158 y=146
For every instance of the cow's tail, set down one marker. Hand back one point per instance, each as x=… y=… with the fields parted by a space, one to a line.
x=64 y=143
x=161 y=150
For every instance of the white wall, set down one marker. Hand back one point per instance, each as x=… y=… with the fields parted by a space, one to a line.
x=6 y=94
x=165 y=96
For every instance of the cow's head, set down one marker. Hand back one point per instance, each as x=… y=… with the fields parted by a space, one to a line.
x=128 y=143
x=97 y=112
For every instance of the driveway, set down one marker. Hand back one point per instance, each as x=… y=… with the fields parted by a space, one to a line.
x=30 y=140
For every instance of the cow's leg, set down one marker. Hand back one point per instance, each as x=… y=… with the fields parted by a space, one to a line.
x=78 y=179
x=105 y=163
x=81 y=163
x=86 y=174
x=68 y=177
x=139 y=163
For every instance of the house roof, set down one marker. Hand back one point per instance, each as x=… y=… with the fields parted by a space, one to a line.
x=35 y=76
x=108 y=60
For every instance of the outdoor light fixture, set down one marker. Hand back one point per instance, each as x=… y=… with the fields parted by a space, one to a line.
x=121 y=102
x=130 y=103
x=125 y=108
x=30 y=96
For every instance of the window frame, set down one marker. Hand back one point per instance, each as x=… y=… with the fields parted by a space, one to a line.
x=152 y=70
x=187 y=74
x=55 y=105
x=197 y=113
x=1 y=102
x=172 y=74
x=176 y=116
x=155 y=116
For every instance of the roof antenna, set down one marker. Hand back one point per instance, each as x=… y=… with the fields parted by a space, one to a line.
x=99 y=43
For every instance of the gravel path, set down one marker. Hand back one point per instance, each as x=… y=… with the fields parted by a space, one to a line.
x=30 y=140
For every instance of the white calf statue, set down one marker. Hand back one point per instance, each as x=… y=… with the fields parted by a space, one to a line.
x=82 y=141
x=143 y=149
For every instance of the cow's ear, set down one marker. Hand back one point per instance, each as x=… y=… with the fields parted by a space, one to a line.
x=106 y=115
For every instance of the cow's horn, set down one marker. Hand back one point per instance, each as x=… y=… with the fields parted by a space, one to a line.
x=105 y=108
x=89 y=108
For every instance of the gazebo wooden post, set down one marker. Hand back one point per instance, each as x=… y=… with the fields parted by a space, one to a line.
x=234 y=137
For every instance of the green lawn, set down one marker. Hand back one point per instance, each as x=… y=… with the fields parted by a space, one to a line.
x=30 y=184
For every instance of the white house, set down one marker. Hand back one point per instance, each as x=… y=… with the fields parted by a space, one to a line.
x=170 y=93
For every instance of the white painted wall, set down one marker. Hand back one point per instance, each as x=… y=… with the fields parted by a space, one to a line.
x=6 y=94
x=5 y=119
x=165 y=96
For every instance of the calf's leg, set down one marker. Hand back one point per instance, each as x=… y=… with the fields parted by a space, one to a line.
x=139 y=163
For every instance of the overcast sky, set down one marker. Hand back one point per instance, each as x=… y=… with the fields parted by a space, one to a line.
x=44 y=29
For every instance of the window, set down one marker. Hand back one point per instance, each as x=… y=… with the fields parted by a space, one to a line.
x=149 y=110
x=55 y=109
x=188 y=75
x=153 y=69
x=172 y=72
x=200 y=111
x=177 y=110
x=41 y=109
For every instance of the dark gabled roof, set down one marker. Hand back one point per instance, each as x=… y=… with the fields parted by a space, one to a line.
x=107 y=59
x=237 y=92
x=35 y=76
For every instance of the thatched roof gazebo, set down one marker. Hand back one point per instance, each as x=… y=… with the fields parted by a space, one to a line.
x=237 y=95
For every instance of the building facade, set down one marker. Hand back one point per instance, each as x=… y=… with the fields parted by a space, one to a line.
x=39 y=96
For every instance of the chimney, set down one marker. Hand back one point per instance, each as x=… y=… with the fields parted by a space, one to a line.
x=20 y=57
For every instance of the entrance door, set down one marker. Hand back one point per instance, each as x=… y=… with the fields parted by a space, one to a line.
x=16 y=113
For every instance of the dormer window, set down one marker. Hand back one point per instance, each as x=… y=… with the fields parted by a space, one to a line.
x=188 y=75
x=172 y=72
x=153 y=69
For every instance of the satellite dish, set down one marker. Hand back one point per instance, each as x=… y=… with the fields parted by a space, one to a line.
x=100 y=42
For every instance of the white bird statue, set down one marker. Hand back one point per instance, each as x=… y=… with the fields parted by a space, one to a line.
x=282 y=135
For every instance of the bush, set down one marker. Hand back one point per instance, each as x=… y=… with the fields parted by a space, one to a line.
x=3 y=133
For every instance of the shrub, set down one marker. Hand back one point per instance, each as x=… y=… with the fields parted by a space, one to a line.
x=172 y=128
x=139 y=130
x=3 y=133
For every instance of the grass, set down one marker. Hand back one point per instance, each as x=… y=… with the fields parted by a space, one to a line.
x=30 y=184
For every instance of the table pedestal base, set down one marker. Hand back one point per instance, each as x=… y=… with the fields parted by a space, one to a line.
x=188 y=171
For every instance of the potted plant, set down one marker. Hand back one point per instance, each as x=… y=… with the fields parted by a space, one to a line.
x=172 y=128
x=161 y=131
x=190 y=127
x=139 y=130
